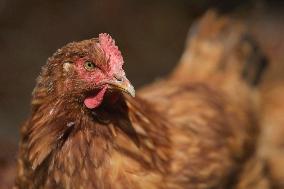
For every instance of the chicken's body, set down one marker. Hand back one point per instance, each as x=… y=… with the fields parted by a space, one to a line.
x=193 y=130
x=97 y=155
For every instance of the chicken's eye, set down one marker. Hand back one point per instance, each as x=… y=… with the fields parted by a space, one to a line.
x=89 y=65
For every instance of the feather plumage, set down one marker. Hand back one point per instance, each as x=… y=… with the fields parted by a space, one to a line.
x=187 y=131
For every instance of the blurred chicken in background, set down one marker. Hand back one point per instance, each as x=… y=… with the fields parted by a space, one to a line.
x=267 y=25
x=220 y=53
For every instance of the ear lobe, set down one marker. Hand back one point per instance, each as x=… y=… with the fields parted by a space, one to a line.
x=67 y=66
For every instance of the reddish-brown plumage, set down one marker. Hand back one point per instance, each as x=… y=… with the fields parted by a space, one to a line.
x=188 y=131
x=67 y=143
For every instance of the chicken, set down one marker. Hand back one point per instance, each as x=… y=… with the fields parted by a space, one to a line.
x=195 y=129
x=81 y=131
x=271 y=141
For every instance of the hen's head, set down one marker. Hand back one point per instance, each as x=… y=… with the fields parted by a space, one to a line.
x=86 y=71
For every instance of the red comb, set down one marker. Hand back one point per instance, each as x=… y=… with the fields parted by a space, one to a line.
x=111 y=50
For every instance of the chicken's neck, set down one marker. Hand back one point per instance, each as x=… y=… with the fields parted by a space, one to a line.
x=62 y=140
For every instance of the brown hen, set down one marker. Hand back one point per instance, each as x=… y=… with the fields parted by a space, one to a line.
x=195 y=129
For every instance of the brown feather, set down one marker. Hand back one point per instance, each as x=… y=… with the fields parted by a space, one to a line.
x=194 y=130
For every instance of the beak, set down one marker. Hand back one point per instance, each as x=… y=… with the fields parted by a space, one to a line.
x=123 y=84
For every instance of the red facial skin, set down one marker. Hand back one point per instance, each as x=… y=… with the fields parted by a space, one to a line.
x=97 y=78
x=106 y=70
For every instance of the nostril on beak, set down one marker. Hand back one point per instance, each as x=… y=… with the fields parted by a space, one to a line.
x=118 y=78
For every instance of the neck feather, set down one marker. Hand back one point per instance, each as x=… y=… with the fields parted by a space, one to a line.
x=61 y=138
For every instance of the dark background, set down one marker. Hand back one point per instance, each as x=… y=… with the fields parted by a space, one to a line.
x=150 y=34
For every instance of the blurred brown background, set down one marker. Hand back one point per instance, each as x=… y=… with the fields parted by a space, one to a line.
x=150 y=34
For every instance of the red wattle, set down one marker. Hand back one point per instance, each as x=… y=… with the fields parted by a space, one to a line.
x=94 y=101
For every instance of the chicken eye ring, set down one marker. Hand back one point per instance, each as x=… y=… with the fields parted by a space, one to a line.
x=89 y=66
